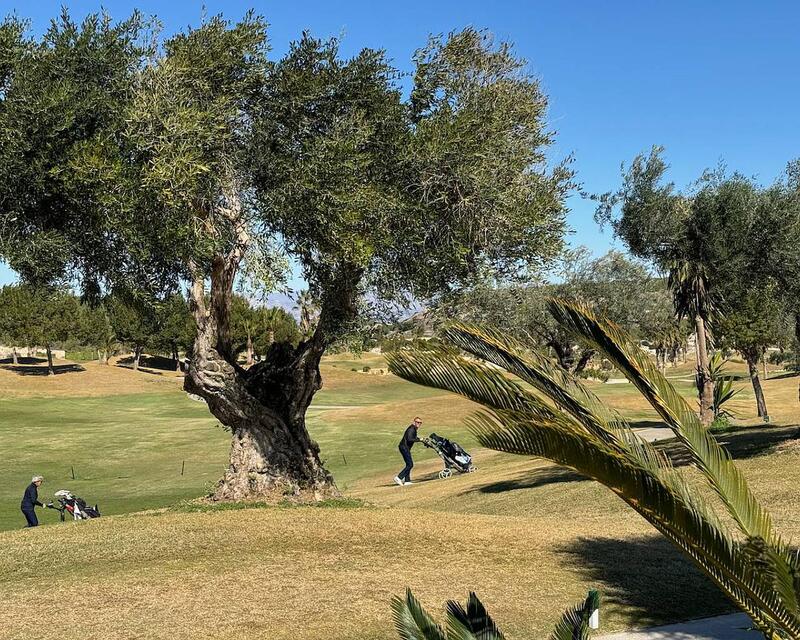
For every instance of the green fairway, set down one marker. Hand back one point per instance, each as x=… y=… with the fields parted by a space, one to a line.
x=126 y=451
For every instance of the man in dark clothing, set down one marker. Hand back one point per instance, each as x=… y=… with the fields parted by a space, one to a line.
x=408 y=440
x=31 y=500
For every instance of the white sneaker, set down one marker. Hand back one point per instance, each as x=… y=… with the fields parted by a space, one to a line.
x=406 y=483
x=398 y=481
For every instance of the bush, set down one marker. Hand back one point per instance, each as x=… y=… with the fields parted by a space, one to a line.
x=366 y=369
x=721 y=424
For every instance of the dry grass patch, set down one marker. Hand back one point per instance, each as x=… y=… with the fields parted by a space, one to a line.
x=96 y=380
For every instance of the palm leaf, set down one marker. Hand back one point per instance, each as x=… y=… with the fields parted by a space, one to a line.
x=574 y=624
x=601 y=446
x=472 y=622
x=712 y=460
x=412 y=621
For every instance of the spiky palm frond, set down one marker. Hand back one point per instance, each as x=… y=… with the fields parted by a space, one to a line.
x=708 y=455
x=412 y=621
x=570 y=426
x=472 y=622
x=723 y=385
x=574 y=624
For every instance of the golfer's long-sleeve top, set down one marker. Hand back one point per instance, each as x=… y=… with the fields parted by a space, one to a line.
x=409 y=437
x=31 y=497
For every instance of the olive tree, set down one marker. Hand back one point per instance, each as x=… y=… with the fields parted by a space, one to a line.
x=213 y=163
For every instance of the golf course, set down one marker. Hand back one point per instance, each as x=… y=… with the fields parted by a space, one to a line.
x=529 y=537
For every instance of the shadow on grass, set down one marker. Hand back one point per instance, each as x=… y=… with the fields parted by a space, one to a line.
x=648 y=574
x=532 y=479
x=23 y=360
x=149 y=364
x=740 y=442
x=39 y=370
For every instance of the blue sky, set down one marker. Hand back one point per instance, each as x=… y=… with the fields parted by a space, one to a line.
x=709 y=80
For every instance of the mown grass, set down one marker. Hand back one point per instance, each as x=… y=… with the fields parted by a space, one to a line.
x=528 y=537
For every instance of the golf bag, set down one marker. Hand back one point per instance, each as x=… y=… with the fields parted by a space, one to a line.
x=452 y=454
x=74 y=506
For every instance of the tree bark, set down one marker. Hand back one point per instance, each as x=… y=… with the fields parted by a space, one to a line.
x=137 y=354
x=14 y=358
x=705 y=385
x=751 y=357
x=272 y=455
x=583 y=361
x=50 y=370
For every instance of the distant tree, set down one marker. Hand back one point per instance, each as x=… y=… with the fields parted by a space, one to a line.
x=135 y=324
x=96 y=330
x=38 y=317
x=698 y=237
x=754 y=320
x=176 y=328
x=620 y=288
x=16 y=318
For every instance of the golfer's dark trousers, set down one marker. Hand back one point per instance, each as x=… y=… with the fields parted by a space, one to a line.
x=405 y=474
x=30 y=516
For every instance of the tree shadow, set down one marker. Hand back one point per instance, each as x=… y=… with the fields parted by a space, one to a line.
x=740 y=442
x=783 y=375
x=648 y=574
x=43 y=371
x=149 y=364
x=532 y=479
x=29 y=360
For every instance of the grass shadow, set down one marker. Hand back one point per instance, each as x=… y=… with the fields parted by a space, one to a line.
x=646 y=573
x=532 y=479
x=39 y=370
x=155 y=365
x=23 y=360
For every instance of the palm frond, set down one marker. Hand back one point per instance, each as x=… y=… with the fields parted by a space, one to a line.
x=712 y=460
x=563 y=421
x=412 y=621
x=574 y=623
x=472 y=622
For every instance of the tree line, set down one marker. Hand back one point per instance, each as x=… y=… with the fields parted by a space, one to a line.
x=38 y=317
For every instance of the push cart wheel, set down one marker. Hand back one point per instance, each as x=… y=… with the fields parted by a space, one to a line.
x=472 y=469
x=445 y=473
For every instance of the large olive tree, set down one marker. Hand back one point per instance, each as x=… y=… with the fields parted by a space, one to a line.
x=216 y=164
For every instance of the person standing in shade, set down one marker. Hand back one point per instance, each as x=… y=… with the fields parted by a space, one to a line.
x=31 y=500
x=409 y=438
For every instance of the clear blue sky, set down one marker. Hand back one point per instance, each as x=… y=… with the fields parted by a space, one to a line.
x=709 y=80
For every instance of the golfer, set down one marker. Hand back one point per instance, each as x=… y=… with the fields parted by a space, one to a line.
x=409 y=438
x=31 y=500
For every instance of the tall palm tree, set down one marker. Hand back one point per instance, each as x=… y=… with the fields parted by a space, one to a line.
x=688 y=281
x=544 y=411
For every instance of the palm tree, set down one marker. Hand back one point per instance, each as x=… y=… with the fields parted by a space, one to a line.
x=688 y=281
x=544 y=411
x=474 y=623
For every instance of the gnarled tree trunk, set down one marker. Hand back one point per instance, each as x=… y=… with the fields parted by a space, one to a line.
x=137 y=356
x=272 y=454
